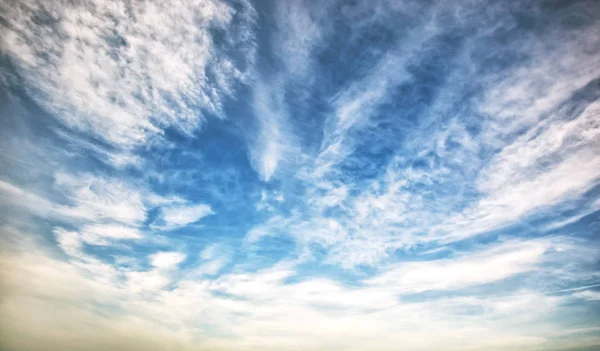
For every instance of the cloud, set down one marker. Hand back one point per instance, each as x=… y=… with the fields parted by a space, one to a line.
x=423 y=170
x=17 y=196
x=262 y=308
x=179 y=215
x=69 y=242
x=98 y=198
x=342 y=175
x=588 y=295
x=166 y=260
x=270 y=145
x=213 y=258
x=476 y=268
x=97 y=232
x=120 y=71
x=298 y=31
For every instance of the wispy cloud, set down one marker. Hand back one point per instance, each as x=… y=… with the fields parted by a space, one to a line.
x=180 y=215
x=266 y=303
x=447 y=274
x=272 y=144
x=505 y=167
x=236 y=175
x=292 y=43
x=124 y=71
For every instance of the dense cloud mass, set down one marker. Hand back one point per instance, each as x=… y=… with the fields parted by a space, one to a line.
x=309 y=175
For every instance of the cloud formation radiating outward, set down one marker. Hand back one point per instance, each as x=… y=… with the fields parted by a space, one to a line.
x=240 y=175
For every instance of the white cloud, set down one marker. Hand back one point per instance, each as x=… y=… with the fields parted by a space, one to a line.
x=211 y=252
x=121 y=71
x=97 y=198
x=301 y=27
x=213 y=258
x=111 y=208
x=212 y=267
x=164 y=264
x=473 y=269
x=180 y=215
x=523 y=178
x=275 y=143
x=166 y=260
x=261 y=309
x=69 y=242
x=151 y=281
x=529 y=93
x=83 y=198
x=543 y=157
x=100 y=233
x=72 y=242
x=588 y=295
x=536 y=149
x=17 y=196
x=269 y=200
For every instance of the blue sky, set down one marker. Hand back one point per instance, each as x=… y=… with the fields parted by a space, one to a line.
x=289 y=175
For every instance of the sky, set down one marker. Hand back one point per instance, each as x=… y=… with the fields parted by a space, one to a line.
x=376 y=175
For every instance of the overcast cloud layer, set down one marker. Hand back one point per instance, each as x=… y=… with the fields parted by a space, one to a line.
x=299 y=175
